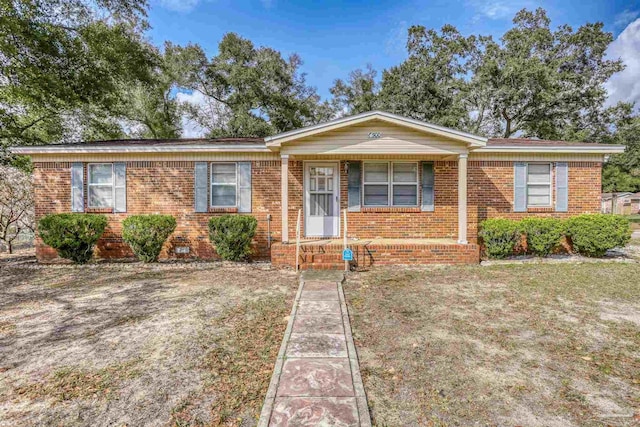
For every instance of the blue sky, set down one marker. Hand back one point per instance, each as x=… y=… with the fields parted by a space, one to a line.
x=334 y=37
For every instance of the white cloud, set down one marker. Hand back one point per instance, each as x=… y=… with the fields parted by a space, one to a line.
x=625 y=86
x=498 y=9
x=191 y=128
x=396 y=40
x=178 y=5
x=625 y=17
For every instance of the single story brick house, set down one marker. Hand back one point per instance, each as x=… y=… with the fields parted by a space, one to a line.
x=414 y=192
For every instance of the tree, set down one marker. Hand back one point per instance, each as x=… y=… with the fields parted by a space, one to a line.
x=65 y=67
x=622 y=172
x=358 y=94
x=249 y=91
x=16 y=205
x=431 y=83
x=544 y=83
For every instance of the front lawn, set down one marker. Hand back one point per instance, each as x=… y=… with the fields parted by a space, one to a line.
x=138 y=345
x=529 y=345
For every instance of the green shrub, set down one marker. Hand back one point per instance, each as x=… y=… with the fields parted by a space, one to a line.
x=146 y=234
x=543 y=234
x=72 y=235
x=232 y=235
x=594 y=234
x=499 y=236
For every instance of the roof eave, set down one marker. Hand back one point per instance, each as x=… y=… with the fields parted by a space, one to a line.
x=609 y=149
x=88 y=149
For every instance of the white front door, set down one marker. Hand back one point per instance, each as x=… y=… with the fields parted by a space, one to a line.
x=321 y=200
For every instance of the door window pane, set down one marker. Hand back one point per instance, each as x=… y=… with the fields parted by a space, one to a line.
x=321 y=205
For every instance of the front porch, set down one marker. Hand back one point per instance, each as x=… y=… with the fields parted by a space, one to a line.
x=327 y=253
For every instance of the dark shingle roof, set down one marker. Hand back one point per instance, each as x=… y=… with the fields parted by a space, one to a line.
x=170 y=142
x=497 y=142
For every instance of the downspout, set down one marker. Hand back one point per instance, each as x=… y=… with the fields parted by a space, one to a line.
x=269 y=231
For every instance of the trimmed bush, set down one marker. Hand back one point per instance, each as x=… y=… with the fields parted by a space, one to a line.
x=146 y=234
x=543 y=234
x=594 y=234
x=499 y=236
x=72 y=235
x=232 y=235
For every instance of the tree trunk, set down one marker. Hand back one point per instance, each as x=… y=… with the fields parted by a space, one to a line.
x=10 y=246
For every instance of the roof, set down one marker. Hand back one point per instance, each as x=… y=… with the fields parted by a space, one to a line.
x=150 y=145
x=508 y=145
x=271 y=143
x=470 y=139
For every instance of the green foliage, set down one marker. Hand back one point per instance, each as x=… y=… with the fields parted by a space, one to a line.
x=542 y=234
x=594 y=234
x=250 y=91
x=146 y=234
x=358 y=94
x=500 y=236
x=72 y=235
x=431 y=83
x=232 y=235
x=69 y=67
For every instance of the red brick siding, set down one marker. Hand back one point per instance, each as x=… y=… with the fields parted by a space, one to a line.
x=162 y=188
x=490 y=192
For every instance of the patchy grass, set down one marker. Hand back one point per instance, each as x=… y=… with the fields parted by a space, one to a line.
x=534 y=345
x=134 y=344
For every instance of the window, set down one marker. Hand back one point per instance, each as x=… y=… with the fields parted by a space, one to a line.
x=100 y=185
x=224 y=181
x=390 y=184
x=539 y=184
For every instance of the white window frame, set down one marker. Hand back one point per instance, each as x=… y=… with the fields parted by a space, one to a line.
x=550 y=185
x=390 y=184
x=212 y=184
x=89 y=185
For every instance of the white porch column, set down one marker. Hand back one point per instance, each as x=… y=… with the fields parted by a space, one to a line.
x=284 y=194
x=462 y=199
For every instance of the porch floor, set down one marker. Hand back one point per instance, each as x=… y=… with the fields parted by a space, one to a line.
x=376 y=241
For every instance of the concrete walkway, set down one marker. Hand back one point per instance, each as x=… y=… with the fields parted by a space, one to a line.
x=316 y=380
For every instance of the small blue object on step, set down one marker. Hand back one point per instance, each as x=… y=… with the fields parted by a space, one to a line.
x=347 y=255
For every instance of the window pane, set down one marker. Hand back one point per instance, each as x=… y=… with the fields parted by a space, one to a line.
x=405 y=172
x=100 y=174
x=376 y=195
x=538 y=190
x=376 y=172
x=100 y=196
x=321 y=205
x=223 y=173
x=223 y=195
x=405 y=195
x=539 y=201
x=539 y=173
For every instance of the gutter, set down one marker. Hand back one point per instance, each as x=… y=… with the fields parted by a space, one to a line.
x=88 y=149
x=600 y=149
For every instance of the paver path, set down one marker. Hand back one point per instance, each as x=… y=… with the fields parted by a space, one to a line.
x=316 y=380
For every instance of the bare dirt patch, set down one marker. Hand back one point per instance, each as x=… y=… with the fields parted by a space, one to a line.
x=138 y=345
x=531 y=345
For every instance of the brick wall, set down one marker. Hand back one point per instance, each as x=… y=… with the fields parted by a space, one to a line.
x=490 y=192
x=161 y=187
x=167 y=187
